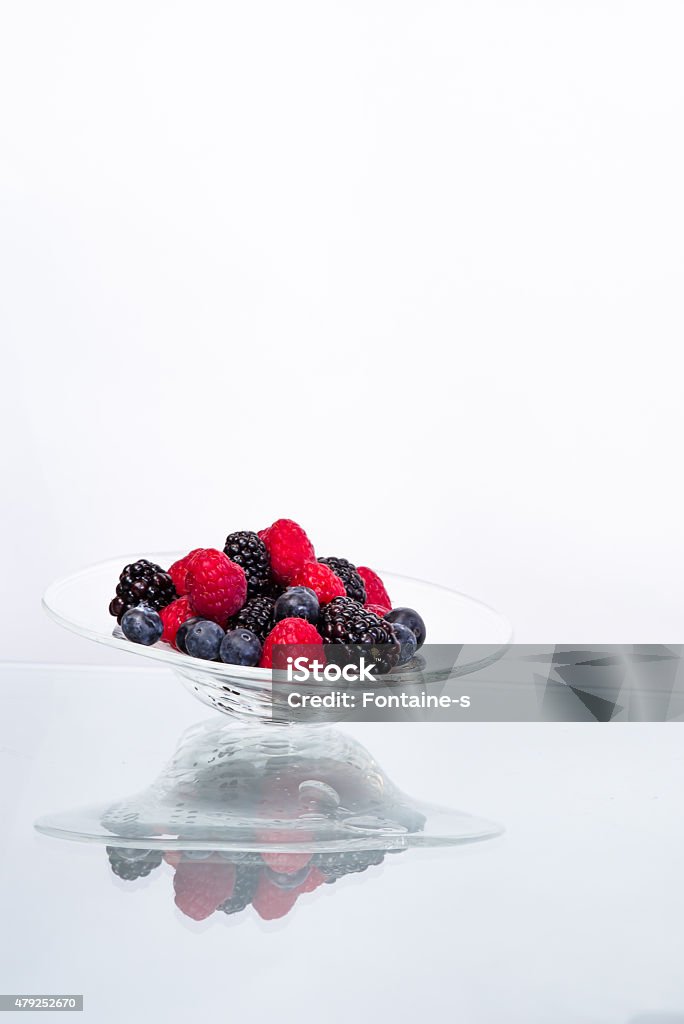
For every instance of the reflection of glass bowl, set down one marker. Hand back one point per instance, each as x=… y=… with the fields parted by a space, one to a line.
x=237 y=786
x=80 y=603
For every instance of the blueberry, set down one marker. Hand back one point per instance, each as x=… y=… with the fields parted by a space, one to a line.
x=183 y=632
x=407 y=640
x=409 y=617
x=240 y=647
x=142 y=625
x=203 y=640
x=297 y=603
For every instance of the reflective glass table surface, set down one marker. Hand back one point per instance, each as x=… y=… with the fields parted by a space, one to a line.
x=575 y=913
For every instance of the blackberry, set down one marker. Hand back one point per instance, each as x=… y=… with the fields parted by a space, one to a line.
x=256 y=615
x=274 y=589
x=246 y=881
x=249 y=551
x=142 y=582
x=132 y=864
x=346 y=623
x=348 y=573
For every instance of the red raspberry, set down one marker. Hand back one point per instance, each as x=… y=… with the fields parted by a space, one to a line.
x=377 y=609
x=321 y=579
x=172 y=616
x=286 y=863
x=178 y=571
x=218 y=587
x=288 y=548
x=375 y=588
x=292 y=631
x=202 y=885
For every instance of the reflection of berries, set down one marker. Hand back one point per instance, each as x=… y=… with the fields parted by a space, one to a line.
x=375 y=588
x=173 y=616
x=313 y=880
x=256 y=616
x=318 y=797
x=346 y=622
x=179 y=571
x=348 y=573
x=217 y=586
x=291 y=631
x=245 y=548
x=139 y=582
x=132 y=864
x=246 y=881
x=286 y=863
x=289 y=548
x=276 y=894
x=203 y=885
x=321 y=579
x=291 y=880
x=270 y=902
x=336 y=865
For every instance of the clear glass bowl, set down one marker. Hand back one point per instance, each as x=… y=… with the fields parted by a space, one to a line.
x=79 y=602
x=234 y=786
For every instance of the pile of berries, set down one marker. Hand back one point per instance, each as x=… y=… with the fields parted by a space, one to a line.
x=262 y=591
x=205 y=882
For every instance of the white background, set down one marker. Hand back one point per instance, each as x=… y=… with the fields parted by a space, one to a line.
x=410 y=273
